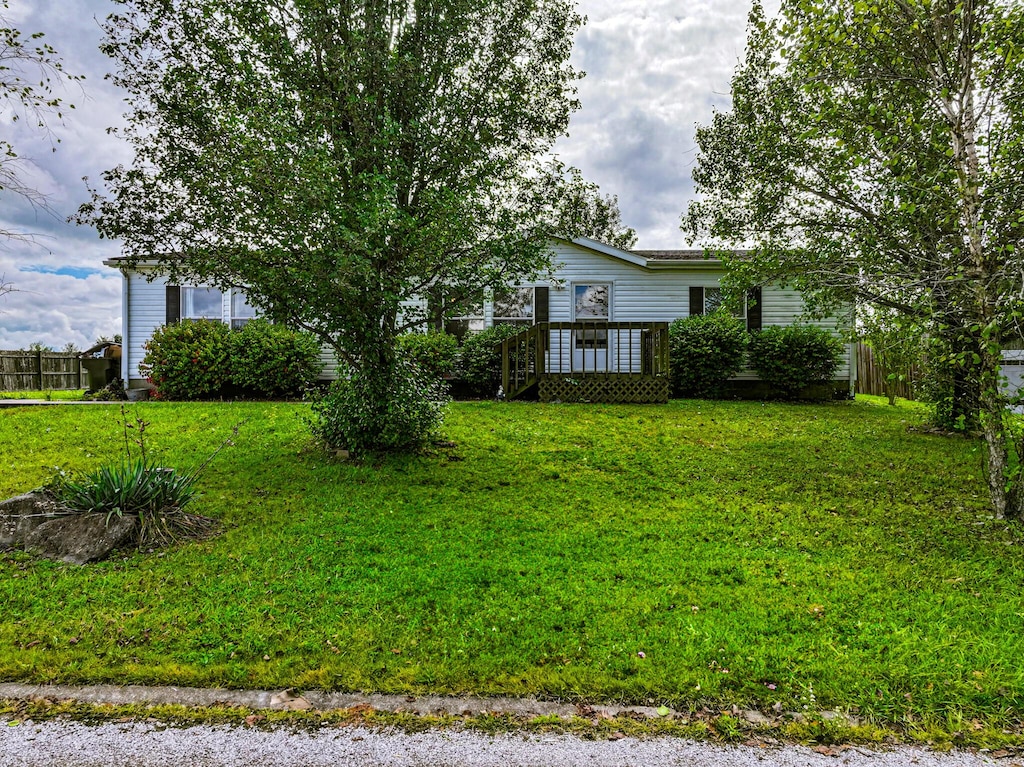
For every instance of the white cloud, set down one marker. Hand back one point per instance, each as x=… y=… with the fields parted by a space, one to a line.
x=655 y=68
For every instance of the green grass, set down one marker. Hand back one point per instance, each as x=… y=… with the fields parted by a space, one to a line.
x=49 y=394
x=814 y=556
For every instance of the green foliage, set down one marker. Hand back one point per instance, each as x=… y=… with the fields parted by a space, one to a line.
x=188 y=360
x=272 y=361
x=130 y=487
x=199 y=359
x=137 y=486
x=704 y=352
x=436 y=354
x=575 y=207
x=792 y=357
x=872 y=155
x=897 y=345
x=565 y=540
x=354 y=416
x=480 y=359
x=376 y=147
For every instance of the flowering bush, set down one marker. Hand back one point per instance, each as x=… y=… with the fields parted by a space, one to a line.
x=188 y=360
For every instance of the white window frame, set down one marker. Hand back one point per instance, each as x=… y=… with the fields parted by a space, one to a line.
x=239 y=320
x=186 y=299
x=740 y=315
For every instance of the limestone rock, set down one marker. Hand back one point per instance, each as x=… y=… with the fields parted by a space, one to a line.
x=81 y=538
x=21 y=514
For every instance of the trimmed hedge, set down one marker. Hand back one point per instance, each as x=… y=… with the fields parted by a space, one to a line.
x=270 y=361
x=203 y=359
x=705 y=351
x=793 y=357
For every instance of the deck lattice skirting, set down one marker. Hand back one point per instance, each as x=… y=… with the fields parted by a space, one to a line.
x=588 y=362
x=604 y=388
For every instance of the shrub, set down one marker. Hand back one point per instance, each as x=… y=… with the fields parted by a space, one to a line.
x=705 y=351
x=480 y=359
x=794 y=357
x=361 y=415
x=188 y=360
x=435 y=354
x=138 y=487
x=272 y=361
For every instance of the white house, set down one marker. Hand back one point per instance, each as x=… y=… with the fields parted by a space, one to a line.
x=591 y=283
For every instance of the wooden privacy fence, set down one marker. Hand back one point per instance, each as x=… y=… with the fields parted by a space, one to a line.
x=870 y=379
x=41 y=371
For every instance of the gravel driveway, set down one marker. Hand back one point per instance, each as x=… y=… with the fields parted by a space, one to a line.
x=142 y=744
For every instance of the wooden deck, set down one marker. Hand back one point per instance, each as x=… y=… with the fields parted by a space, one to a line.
x=588 y=362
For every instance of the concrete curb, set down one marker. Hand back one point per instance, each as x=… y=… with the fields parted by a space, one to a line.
x=285 y=700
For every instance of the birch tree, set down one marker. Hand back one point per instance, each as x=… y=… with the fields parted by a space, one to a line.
x=874 y=152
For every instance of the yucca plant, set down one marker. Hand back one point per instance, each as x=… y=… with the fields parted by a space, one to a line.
x=156 y=495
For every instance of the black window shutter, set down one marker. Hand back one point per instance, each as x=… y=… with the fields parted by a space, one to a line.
x=541 y=311
x=754 y=309
x=696 y=301
x=173 y=299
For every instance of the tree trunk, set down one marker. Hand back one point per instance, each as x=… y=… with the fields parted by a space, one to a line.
x=1003 y=491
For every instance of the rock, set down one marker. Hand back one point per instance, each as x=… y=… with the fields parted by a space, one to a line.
x=754 y=717
x=22 y=514
x=289 y=701
x=80 y=538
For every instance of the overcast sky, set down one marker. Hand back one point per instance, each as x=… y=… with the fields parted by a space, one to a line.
x=655 y=69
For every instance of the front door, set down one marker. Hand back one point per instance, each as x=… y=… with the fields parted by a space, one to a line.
x=591 y=305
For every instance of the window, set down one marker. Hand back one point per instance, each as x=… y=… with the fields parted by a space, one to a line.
x=202 y=304
x=714 y=299
x=514 y=307
x=469 y=318
x=241 y=310
x=591 y=303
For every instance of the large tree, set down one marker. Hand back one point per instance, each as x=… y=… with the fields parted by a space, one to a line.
x=575 y=207
x=338 y=157
x=874 y=152
x=31 y=76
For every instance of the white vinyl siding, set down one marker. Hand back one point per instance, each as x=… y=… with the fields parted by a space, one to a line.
x=146 y=312
x=663 y=294
x=638 y=294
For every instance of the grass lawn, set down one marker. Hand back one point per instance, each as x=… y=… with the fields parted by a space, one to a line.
x=815 y=556
x=49 y=394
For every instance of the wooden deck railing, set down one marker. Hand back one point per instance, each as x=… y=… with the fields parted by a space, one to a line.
x=581 y=349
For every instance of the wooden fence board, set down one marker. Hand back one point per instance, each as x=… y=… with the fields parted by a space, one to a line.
x=41 y=371
x=871 y=381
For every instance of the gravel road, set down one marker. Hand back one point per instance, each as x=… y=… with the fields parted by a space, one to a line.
x=142 y=744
